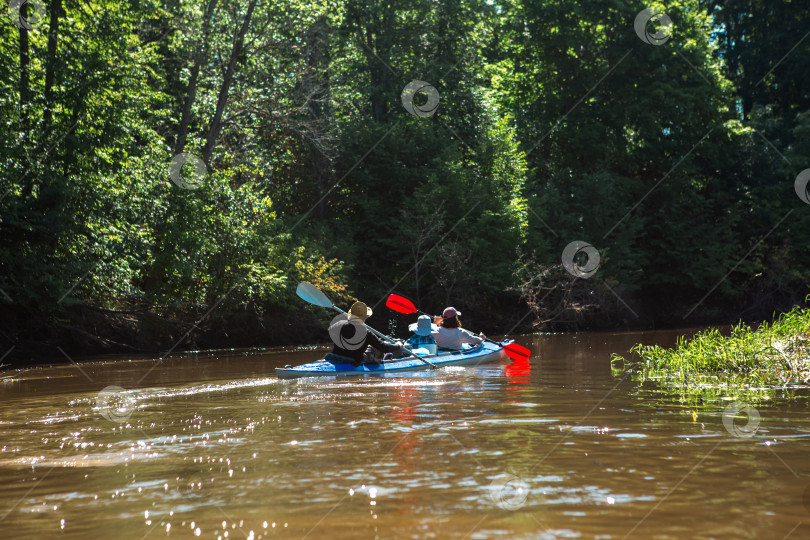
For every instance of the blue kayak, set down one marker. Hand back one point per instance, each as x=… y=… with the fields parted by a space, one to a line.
x=486 y=352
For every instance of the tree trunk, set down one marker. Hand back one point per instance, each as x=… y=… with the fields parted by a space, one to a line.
x=316 y=86
x=378 y=38
x=222 y=99
x=191 y=94
x=25 y=77
x=56 y=11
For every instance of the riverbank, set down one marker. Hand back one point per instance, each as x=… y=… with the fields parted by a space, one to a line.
x=751 y=364
x=87 y=330
x=138 y=327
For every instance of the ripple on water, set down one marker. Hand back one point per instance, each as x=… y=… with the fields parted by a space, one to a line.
x=507 y=421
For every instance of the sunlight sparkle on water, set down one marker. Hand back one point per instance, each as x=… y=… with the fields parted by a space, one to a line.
x=183 y=455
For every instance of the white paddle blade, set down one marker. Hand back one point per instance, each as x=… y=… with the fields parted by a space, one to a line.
x=312 y=294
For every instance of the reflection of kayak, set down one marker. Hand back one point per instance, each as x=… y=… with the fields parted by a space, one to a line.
x=486 y=352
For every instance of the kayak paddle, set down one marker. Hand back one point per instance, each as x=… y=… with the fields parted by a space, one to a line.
x=312 y=294
x=400 y=304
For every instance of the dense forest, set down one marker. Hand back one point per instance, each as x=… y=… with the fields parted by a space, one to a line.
x=171 y=169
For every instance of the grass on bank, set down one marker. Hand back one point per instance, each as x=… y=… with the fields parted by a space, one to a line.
x=749 y=364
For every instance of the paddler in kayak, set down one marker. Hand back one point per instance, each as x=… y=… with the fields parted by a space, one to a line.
x=354 y=343
x=450 y=335
x=422 y=337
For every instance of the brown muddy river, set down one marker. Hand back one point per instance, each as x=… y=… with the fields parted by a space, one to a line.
x=213 y=445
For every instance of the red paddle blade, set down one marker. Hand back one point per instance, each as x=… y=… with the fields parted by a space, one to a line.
x=400 y=304
x=517 y=352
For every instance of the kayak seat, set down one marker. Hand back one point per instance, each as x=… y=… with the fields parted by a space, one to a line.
x=332 y=357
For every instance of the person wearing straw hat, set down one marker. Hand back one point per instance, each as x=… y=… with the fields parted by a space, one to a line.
x=450 y=335
x=355 y=344
x=422 y=337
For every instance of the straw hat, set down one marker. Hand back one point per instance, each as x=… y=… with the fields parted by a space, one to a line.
x=360 y=311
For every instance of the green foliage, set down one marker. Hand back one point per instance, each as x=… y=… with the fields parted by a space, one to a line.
x=555 y=123
x=747 y=364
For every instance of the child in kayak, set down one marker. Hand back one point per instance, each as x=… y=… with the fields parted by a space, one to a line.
x=355 y=343
x=422 y=337
x=450 y=335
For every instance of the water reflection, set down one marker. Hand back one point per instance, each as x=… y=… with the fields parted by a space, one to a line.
x=555 y=446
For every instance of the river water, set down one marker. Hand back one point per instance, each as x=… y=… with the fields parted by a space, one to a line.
x=213 y=445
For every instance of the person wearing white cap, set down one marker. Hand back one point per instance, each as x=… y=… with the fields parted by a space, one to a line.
x=450 y=335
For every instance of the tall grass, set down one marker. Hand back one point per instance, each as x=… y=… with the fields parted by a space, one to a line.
x=749 y=364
